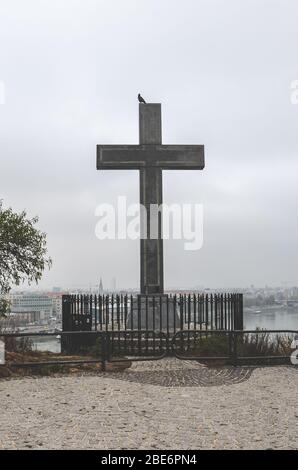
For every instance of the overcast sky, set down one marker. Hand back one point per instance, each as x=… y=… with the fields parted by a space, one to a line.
x=222 y=70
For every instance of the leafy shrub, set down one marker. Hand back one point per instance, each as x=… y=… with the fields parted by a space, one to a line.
x=213 y=345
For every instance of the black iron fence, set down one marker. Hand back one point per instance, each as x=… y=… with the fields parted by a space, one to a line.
x=236 y=347
x=159 y=313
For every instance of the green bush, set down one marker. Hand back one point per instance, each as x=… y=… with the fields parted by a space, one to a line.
x=212 y=345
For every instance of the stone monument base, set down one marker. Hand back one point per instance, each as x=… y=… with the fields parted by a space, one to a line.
x=153 y=312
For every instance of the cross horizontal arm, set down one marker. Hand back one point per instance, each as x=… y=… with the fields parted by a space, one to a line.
x=119 y=157
x=171 y=157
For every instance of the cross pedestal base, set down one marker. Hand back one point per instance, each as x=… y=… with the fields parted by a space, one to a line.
x=157 y=313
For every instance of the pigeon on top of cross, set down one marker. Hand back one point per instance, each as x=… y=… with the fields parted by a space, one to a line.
x=141 y=99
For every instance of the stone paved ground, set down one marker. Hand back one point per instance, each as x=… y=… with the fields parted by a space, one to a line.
x=168 y=404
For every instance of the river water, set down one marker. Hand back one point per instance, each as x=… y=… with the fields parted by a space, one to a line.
x=271 y=318
x=47 y=344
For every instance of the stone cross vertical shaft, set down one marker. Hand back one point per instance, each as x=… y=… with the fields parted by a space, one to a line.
x=151 y=252
x=150 y=157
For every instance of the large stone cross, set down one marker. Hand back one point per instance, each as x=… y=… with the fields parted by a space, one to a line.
x=150 y=157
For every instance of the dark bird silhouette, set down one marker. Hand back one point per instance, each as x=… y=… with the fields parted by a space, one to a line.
x=141 y=100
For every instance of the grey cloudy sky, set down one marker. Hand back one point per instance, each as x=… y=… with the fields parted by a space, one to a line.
x=221 y=69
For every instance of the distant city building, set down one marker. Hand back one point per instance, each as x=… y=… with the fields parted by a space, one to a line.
x=43 y=304
x=24 y=317
x=57 y=305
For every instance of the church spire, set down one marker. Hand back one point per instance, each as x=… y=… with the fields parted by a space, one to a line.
x=100 y=287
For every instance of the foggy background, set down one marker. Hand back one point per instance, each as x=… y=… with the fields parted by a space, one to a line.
x=222 y=70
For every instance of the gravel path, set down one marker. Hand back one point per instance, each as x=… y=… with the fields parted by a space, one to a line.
x=168 y=404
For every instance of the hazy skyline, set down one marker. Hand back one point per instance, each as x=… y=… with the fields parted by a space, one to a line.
x=222 y=71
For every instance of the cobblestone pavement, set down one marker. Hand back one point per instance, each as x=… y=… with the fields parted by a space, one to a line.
x=153 y=406
x=176 y=373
